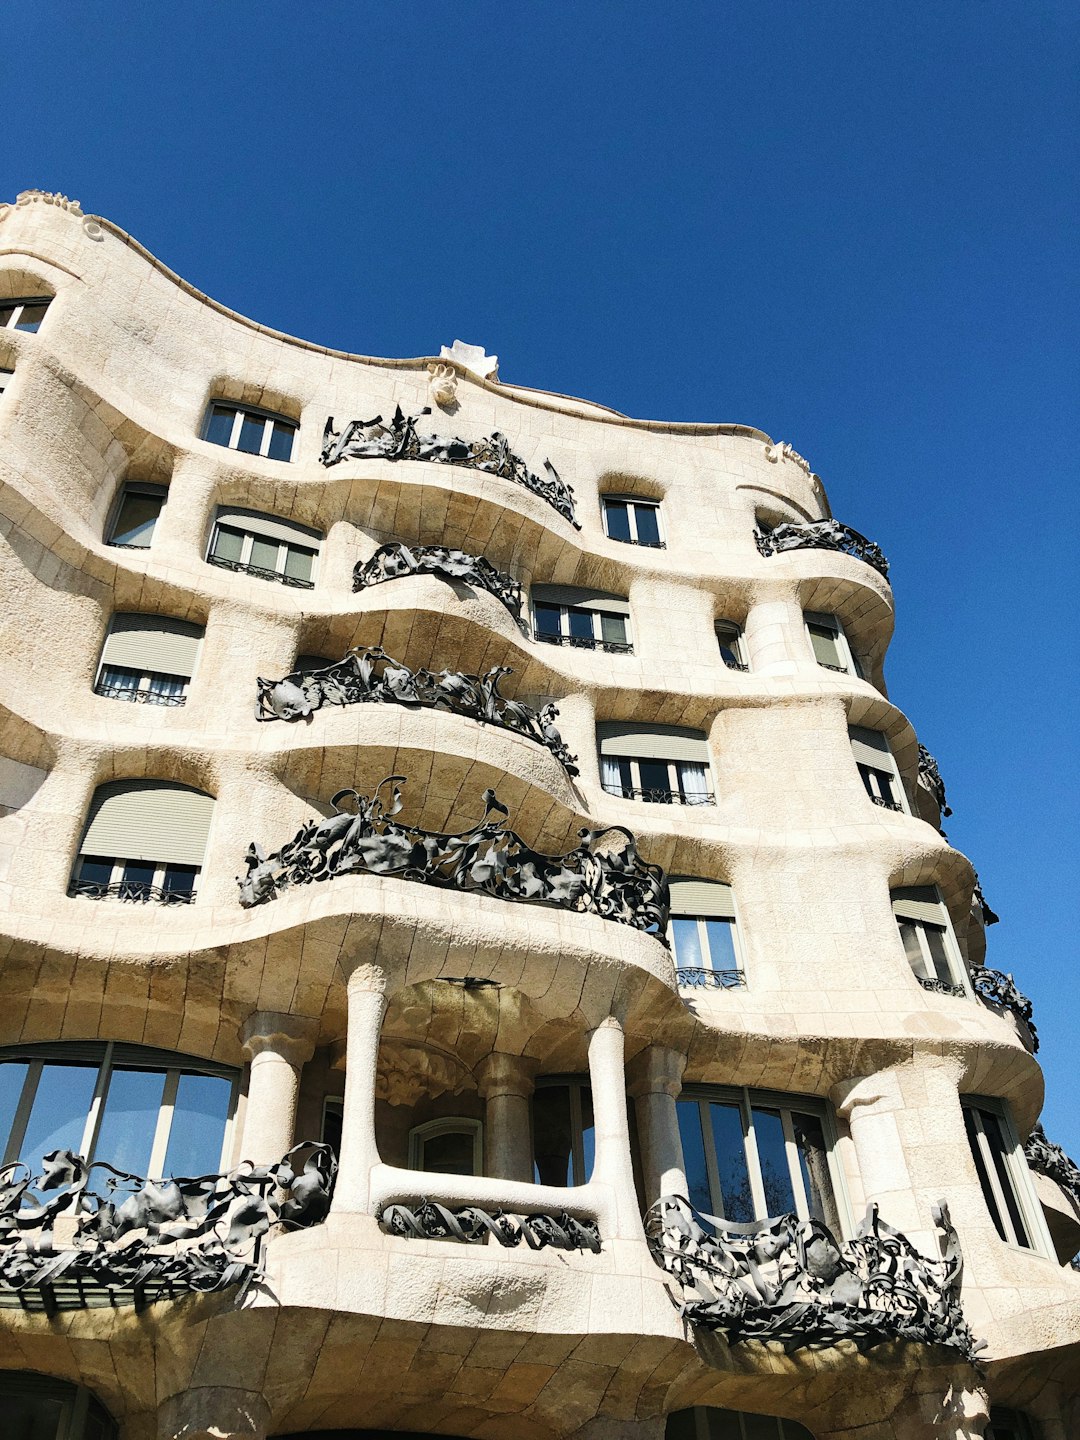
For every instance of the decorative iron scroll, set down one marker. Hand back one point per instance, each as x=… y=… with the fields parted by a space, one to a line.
x=260 y=572
x=368 y=676
x=132 y=890
x=694 y=978
x=941 y=987
x=472 y=1226
x=930 y=775
x=822 y=535
x=791 y=1281
x=138 y=694
x=136 y=1240
x=1051 y=1160
x=996 y=988
x=978 y=898
x=391 y=562
x=490 y=858
x=399 y=440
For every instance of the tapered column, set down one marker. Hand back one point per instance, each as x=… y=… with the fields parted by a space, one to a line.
x=655 y=1082
x=611 y=1127
x=278 y=1047
x=506 y=1085
x=359 y=1150
x=214 y=1412
x=870 y=1104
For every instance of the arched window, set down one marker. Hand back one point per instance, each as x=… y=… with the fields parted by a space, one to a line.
x=37 y=1407
x=25 y=312
x=453 y=1145
x=144 y=841
x=706 y=1422
x=265 y=546
x=250 y=430
x=584 y=619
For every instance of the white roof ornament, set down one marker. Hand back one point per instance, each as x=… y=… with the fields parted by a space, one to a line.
x=472 y=358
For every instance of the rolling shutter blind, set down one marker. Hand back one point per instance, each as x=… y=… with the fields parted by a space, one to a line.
x=819 y=617
x=919 y=902
x=148 y=820
x=709 y=899
x=871 y=748
x=153 y=642
x=269 y=527
x=652 y=742
x=581 y=599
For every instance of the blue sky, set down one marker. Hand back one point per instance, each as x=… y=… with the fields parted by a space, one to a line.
x=853 y=225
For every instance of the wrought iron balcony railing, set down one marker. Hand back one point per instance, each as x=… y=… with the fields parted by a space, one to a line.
x=647 y=544
x=139 y=695
x=888 y=804
x=427 y=1220
x=826 y=665
x=586 y=642
x=822 y=535
x=694 y=978
x=659 y=797
x=941 y=987
x=259 y=572
x=132 y=890
x=999 y=990
x=733 y=664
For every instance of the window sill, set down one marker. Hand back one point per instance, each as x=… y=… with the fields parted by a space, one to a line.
x=645 y=544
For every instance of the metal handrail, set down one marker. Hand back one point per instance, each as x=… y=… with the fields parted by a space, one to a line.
x=694 y=977
x=888 y=804
x=941 y=987
x=659 y=797
x=257 y=570
x=140 y=695
x=131 y=890
x=585 y=642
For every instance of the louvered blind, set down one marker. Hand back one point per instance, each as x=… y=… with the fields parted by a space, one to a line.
x=148 y=820
x=919 y=902
x=819 y=617
x=581 y=599
x=652 y=742
x=871 y=748
x=153 y=642
x=269 y=527
x=709 y=899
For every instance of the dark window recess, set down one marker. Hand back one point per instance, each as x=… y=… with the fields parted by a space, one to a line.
x=136 y=515
x=26 y=314
x=634 y=522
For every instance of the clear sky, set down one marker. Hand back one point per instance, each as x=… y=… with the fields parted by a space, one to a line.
x=851 y=224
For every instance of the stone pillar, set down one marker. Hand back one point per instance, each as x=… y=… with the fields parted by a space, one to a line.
x=940 y=1406
x=359 y=1150
x=869 y=1104
x=655 y=1083
x=611 y=1126
x=505 y=1083
x=214 y=1412
x=278 y=1046
x=774 y=635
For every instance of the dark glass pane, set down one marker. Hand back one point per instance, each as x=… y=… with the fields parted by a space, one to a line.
x=772 y=1156
x=761 y=1427
x=298 y=563
x=909 y=934
x=126 y=1134
x=721 y=935
x=331 y=1127
x=998 y=1149
x=825 y=644
x=95 y=869
x=984 y=1178
x=281 y=441
x=814 y=1164
x=12 y=1079
x=626 y=776
x=935 y=939
x=681 y=1425
x=655 y=775
x=198 y=1125
x=31 y=317
x=687 y=941
x=617 y=517
x=547 y=619
x=727 y=1129
x=6 y=312
x=693 y=1147
x=228 y=544
x=551 y=1134
x=251 y=434
x=884 y=785
x=33 y=1417
x=648 y=525
x=448 y=1154
x=137 y=876
x=581 y=624
x=724 y=1424
x=264 y=553
x=58 y=1117
x=168 y=687
x=219 y=424
x=180 y=879
x=120 y=680
x=588 y=1134
x=136 y=519
x=613 y=629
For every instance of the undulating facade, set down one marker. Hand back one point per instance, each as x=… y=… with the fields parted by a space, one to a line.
x=480 y=957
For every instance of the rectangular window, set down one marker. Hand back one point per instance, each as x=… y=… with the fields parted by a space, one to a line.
x=251 y=431
x=662 y=782
x=1010 y=1425
x=264 y=546
x=1002 y=1172
x=588 y=620
x=877 y=768
x=136 y=515
x=829 y=643
x=634 y=522
x=923 y=922
x=148 y=659
x=23 y=314
x=563 y=1136
x=100 y=877
x=5 y=379
x=729 y=639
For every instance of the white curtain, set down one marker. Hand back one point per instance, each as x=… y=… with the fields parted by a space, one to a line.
x=694 y=780
x=609 y=774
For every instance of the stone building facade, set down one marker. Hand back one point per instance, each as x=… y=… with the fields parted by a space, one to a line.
x=463 y=835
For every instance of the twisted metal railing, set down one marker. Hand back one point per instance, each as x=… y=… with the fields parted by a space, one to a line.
x=822 y=535
x=393 y=561
x=999 y=990
x=693 y=977
x=659 y=796
x=428 y=1220
x=138 y=694
x=131 y=890
x=260 y=572
x=1051 y=1160
x=585 y=642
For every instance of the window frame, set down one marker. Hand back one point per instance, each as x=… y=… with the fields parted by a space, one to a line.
x=244 y=566
x=17 y=304
x=119 y=866
x=1019 y=1422
x=705 y=949
x=734 y=643
x=142 y=692
x=958 y=970
x=254 y=412
x=1019 y=1176
x=6 y=377
x=631 y=501
x=871 y=774
x=149 y=490
x=649 y=795
x=580 y=642
x=574 y=1083
x=735 y=1420
x=826 y=620
x=419 y=1135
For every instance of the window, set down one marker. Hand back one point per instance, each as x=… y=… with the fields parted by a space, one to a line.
x=263 y=545
x=147 y=1112
x=704 y=933
x=25 y=314
x=453 y=1146
x=931 y=950
x=729 y=638
x=829 y=643
x=877 y=768
x=635 y=522
x=144 y=841
x=709 y=1423
x=254 y=432
x=37 y=1407
x=135 y=515
x=1002 y=1172
x=332 y=1120
x=148 y=660
x=563 y=1140
x=753 y=1155
x=5 y=378
x=664 y=764
x=1009 y=1425
x=589 y=619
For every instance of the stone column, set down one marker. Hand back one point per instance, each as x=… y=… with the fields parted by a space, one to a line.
x=774 y=635
x=214 y=1412
x=278 y=1047
x=655 y=1077
x=940 y=1407
x=505 y=1083
x=869 y=1104
x=611 y=1126
x=359 y=1150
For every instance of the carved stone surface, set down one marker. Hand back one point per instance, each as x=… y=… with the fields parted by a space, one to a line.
x=1051 y=1160
x=443 y=384
x=615 y=884
x=783 y=451
x=822 y=535
x=791 y=1281
x=930 y=775
x=368 y=676
x=997 y=988
x=472 y=1226
x=400 y=440
x=472 y=357
x=391 y=562
x=141 y=1240
x=408 y=1071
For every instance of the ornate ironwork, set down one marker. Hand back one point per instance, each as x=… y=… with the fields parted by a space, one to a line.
x=996 y=988
x=988 y=916
x=133 y=890
x=731 y=662
x=137 y=1240
x=391 y=562
x=792 y=1281
x=368 y=676
x=693 y=978
x=138 y=695
x=471 y=1226
x=822 y=535
x=399 y=440
x=614 y=884
x=260 y=572
x=941 y=987
x=930 y=775
x=888 y=804
x=1051 y=1160
x=585 y=642
x=659 y=796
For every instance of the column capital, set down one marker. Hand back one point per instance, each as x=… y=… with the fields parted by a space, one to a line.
x=292 y=1037
x=656 y=1070
x=878 y=1093
x=503 y=1074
